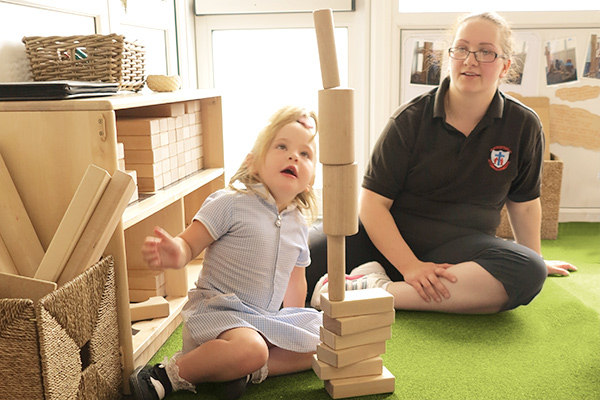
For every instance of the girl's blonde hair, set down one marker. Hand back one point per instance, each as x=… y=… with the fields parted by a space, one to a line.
x=305 y=201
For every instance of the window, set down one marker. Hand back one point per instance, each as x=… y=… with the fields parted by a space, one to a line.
x=507 y=5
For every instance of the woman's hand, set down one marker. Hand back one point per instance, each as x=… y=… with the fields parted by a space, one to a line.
x=424 y=277
x=556 y=267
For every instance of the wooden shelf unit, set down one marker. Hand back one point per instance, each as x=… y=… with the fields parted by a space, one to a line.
x=47 y=147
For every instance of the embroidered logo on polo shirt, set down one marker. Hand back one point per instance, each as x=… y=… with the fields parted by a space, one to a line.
x=499 y=156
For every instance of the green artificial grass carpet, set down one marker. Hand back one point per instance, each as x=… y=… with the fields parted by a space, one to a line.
x=547 y=350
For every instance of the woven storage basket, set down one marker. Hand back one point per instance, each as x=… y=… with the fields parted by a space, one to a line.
x=66 y=346
x=550 y=199
x=96 y=58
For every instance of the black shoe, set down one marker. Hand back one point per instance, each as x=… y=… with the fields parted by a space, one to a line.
x=150 y=383
x=234 y=389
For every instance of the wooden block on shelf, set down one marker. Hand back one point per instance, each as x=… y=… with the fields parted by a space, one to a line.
x=358 y=302
x=146 y=156
x=370 y=366
x=154 y=307
x=87 y=196
x=145 y=279
x=139 y=295
x=141 y=142
x=146 y=170
x=100 y=227
x=344 y=357
x=156 y=111
x=22 y=287
x=133 y=174
x=361 y=386
x=148 y=185
x=338 y=342
x=138 y=126
x=16 y=229
x=358 y=323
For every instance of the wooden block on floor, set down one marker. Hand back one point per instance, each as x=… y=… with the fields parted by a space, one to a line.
x=16 y=229
x=344 y=357
x=22 y=287
x=358 y=323
x=338 y=342
x=145 y=279
x=154 y=307
x=139 y=295
x=370 y=366
x=361 y=386
x=358 y=302
x=78 y=213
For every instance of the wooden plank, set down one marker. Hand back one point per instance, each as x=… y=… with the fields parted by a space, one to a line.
x=361 y=386
x=370 y=366
x=154 y=307
x=22 y=287
x=71 y=227
x=344 y=357
x=358 y=323
x=16 y=229
x=6 y=263
x=338 y=342
x=101 y=226
x=358 y=302
x=140 y=295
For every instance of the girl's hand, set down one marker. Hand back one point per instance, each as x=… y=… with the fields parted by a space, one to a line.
x=424 y=277
x=162 y=251
x=556 y=267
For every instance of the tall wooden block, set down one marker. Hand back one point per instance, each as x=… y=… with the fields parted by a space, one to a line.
x=145 y=279
x=340 y=199
x=336 y=126
x=361 y=386
x=80 y=210
x=370 y=366
x=139 y=126
x=324 y=28
x=352 y=355
x=358 y=323
x=340 y=342
x=358 y=302
x=16 y=228
x=336 y=267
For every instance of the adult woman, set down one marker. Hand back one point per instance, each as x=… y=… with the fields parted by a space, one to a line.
x=438 y=177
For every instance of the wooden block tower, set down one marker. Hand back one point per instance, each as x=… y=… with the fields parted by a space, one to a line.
x=357 y=323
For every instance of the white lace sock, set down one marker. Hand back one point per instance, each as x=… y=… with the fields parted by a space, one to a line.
x=177 y=381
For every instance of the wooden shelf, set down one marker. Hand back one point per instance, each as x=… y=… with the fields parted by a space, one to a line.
x=149 y=203
x=47 y=147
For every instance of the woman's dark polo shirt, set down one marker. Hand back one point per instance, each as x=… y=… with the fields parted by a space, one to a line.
x=445 y=185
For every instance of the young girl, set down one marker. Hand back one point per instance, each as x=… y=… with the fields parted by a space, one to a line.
x=255 y=237
x=438 y=177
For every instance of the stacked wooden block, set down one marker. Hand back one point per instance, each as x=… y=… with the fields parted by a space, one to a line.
x=357 y=323
x=161 y=143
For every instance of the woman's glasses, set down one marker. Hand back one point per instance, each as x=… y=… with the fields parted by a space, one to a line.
x=483 y=56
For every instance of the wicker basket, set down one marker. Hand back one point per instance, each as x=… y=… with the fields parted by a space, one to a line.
x=66 y=346
x=96 y=58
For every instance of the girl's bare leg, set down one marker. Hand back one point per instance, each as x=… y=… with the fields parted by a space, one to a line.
x=235 y=353
x=283 y=362
x=476 y=291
